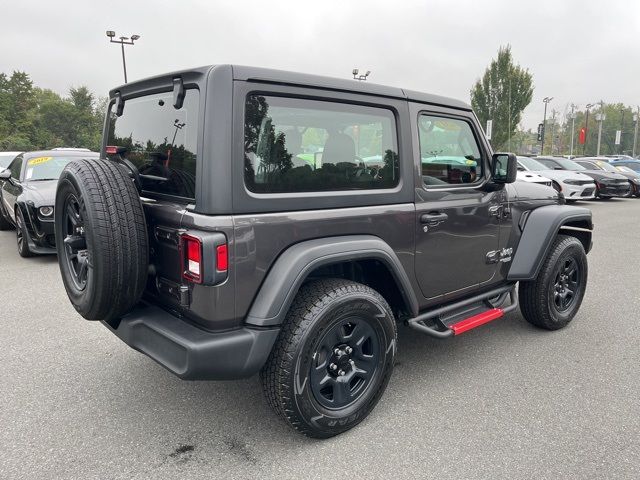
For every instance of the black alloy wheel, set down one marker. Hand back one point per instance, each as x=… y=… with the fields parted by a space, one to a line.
x=345 y=362
x=553 y=298
x=333 y=358
x=76 y=254
x=567 y=284
x=21 y=236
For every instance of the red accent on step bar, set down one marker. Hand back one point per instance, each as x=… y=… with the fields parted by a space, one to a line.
x=476 y=321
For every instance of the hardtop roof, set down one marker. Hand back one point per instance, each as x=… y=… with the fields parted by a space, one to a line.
x=258 y=74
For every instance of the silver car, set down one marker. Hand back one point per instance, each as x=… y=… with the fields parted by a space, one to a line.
x=573 y=185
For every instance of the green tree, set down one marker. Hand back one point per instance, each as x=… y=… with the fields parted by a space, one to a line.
x=501 y=95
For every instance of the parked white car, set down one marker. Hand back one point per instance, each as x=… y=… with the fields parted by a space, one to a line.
x=532 y=177
x=573 y=185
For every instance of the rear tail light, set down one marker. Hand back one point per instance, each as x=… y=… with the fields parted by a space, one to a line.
x=191 y=258
x=111 y=150
x=205 y=257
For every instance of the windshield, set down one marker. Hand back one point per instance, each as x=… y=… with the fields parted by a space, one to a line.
x=606 y=166
x=531 y=164
x=48 y=167
x=626 y=170
x=563 y=162
x=6 y=158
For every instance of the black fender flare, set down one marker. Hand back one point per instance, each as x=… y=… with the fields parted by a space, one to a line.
x=541 y=227
x=293 y=266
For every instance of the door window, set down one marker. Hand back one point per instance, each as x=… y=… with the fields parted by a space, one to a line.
x=449 y=153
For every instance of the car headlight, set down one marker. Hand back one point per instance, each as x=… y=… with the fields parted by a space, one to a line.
x=46 y=211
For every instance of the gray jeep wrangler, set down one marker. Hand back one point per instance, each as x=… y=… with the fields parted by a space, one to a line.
x=243 y=220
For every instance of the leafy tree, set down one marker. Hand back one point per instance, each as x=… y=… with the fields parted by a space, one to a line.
x=501 y=95
x=33 y=118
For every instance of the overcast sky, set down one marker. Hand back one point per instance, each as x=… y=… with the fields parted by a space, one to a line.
x=578 y=51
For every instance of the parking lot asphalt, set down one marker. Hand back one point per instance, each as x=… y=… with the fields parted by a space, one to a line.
x=503 y=401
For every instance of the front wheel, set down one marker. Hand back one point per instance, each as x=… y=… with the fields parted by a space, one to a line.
x=333 y=358
x=554 y=297
x=22 y=237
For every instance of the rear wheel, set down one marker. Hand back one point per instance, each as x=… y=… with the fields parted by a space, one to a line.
x=333 y=358
x=101 y=239
x=554 y=297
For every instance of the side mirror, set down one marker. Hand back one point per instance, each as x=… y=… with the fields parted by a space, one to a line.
x=5 y=174
x=504 y=168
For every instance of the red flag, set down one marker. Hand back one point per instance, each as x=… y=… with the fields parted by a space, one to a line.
x=583 y=135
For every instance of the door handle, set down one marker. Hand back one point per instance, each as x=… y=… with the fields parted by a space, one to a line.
x=433 y=219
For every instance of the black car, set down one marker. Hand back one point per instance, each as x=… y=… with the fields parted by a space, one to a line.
x=607 y=184
x=28 y=194
x=595 y=163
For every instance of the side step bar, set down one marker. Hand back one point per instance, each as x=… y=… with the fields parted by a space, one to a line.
x=491 y=310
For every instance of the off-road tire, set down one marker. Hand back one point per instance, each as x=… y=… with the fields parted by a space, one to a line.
x=318 y=308
x=537 y=296
x=115 y=234
x=22 y=238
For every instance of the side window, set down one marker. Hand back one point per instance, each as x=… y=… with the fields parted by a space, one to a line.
x=295 y=145
x=160 y=140
x=449 y=153
x=16 y=168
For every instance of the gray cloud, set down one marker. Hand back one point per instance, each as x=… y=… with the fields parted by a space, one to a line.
x=578 y=51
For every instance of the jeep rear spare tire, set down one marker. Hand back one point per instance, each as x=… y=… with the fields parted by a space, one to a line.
x=101 y=239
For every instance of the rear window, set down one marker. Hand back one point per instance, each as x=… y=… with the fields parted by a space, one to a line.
x=297 y=145
x=160 y=140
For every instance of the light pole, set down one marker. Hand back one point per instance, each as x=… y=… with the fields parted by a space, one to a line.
x=553 y=128
x=636 y=117
x=360 y=77
x=600 y=118
x=572 y=116
x=586 y=128
x=122 y=41
x=178 y=126
x=546 y=101
x=623 y=110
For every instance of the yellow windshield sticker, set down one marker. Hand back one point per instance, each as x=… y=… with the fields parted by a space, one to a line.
x=39 y=160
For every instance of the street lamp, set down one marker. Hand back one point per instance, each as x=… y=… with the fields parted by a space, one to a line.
x=636 y=117
x=600 y=118
x=572 y=116
x=586 y=128
x=546 y=101
x=122 y=41
x=360 y=77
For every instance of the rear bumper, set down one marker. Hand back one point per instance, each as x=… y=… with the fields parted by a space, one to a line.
x=192 y=353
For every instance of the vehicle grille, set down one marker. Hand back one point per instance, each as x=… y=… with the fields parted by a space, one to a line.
x=587 y=192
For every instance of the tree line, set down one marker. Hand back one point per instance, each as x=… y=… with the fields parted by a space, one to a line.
x=33 y=118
